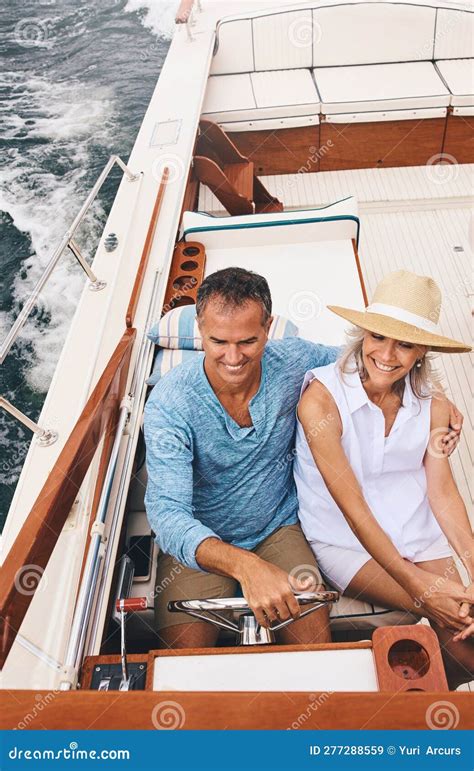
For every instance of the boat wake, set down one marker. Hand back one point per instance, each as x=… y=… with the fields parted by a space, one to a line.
x=156 y=16
x=74 y=91
x=55 y=130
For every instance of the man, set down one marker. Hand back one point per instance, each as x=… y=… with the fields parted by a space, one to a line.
x=221 y=496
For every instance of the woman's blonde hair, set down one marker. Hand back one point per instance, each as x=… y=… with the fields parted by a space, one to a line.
x=424 y=379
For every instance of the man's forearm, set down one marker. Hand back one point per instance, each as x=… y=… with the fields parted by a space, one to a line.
x=216 y=556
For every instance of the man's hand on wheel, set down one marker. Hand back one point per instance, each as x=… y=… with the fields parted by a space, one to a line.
x=268 y=591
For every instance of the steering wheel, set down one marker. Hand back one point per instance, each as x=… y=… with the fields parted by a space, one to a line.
x=248 y=629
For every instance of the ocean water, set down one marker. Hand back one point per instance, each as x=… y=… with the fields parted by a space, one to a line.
x=77 y=79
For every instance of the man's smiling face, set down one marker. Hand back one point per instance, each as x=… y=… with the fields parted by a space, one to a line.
x=233 y=340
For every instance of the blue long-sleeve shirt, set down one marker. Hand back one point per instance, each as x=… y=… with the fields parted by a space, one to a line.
x=207 y=476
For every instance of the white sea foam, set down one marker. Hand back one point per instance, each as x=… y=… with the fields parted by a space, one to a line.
x=70 y=120
x=157 y=15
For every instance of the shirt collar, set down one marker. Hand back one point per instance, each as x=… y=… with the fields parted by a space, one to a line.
x=356 y=395
x=257 y=406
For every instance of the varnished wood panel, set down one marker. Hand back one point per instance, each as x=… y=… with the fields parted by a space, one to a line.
x=210 y=173
x=191 y=194
x=186 y=275
x=359 y=272
x=282 y=151
x=408 y=658
x=211 y=710
x=37 y=538
x=384 y=144
x=459 y=138
x=274 y=648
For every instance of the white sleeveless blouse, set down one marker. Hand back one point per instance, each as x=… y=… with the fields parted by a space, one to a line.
x=389 y=469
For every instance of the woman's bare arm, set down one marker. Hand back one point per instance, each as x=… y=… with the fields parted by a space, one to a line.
x=329 y=456
x=328 y=453
x=443 y=494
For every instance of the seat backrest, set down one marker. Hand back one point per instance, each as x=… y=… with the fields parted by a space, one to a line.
x=454 y=34
x=342 y=34
x=338 y=221
x=370 y=33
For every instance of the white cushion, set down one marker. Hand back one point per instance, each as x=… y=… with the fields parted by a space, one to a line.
x=259 y=95
x=454 y=34
x=234 y=48
x=230 y=94
x=365 y=88
x=283 y=40
x=336 y=222
x=458 y=74
x=366 y=33
x=285 y=87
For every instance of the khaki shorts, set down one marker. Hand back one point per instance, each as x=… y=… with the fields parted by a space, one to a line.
x=286 y=547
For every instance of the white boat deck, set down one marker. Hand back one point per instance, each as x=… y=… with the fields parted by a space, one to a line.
x=418 y=218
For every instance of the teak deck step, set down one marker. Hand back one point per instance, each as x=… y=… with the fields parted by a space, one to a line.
x=240 y=176
x=229 y=174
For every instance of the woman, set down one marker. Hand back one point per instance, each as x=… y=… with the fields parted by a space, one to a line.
x=377 y=500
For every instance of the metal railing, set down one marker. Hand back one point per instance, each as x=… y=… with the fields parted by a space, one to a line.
x=48 y=436
x=94 y=558
x=99 y=554
x=186 y=15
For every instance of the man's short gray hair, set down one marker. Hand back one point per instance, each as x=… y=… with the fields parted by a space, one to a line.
x=235 y=287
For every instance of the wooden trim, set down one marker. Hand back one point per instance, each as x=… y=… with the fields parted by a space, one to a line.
x=184 y=282
x=37 y=538
x=359 y=271
x=408 y=658
x=211 y=710
x=382 y=144
x=191 y=193
x=232 y=650
x=459 y=138
x=213 y=142
x=281 y=151
x=132 y=306
x=209 y=173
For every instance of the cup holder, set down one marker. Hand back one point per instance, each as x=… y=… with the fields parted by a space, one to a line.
x=189 y=265
x=408 y=660
x=184 y=283
x=191 y=251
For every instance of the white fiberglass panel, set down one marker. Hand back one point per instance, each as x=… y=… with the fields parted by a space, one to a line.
x=290 y=671
x=303 y=279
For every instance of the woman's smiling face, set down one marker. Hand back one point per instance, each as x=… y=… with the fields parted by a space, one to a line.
x=387 y=360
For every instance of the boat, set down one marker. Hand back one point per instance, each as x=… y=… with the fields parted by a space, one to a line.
x=302 y=141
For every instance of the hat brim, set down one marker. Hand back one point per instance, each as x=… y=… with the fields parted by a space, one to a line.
x=399 y=330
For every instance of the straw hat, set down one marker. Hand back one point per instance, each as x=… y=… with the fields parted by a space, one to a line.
x=405 y=307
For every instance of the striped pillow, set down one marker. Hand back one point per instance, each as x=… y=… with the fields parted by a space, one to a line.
x=178 y=329
x=166 y=359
